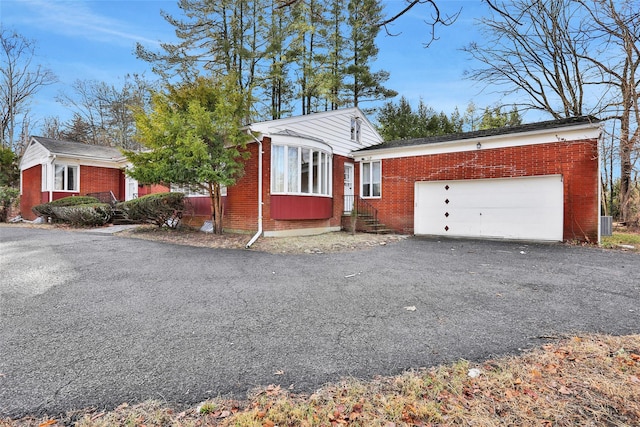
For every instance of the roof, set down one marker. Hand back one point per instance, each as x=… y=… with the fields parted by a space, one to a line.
x=289 y=132
x=78 y=149
x=529 y=127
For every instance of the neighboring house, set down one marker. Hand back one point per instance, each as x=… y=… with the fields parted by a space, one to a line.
x=537 y=181
x=306 y=174
x=51 y=169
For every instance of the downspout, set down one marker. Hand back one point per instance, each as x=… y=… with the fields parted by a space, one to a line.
x=259 y=232
x=51 y=171
x=600 y=145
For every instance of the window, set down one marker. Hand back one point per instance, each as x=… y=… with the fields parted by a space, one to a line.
x=196 y=191
x=300 y=170
x=371 y=179
x=355 y=129
x=65 y=178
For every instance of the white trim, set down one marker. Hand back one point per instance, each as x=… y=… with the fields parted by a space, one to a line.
x=371 y=172
x=301 y=232
x=300 y=147
x=546 y=136
x=66 y=166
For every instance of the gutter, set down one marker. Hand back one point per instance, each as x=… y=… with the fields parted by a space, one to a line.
x=259 y=232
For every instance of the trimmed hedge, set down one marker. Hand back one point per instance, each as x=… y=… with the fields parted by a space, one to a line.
x=161 y=209
x=46 y=209
x=89 y=215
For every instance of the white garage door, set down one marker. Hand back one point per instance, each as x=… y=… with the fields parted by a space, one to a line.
x=528 y=208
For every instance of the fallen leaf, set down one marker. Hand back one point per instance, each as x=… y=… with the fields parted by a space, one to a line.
x=564 y=390
x=47 y=423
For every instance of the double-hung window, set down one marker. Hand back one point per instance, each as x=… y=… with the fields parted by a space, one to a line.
x=371 y=179
x=300 y=170
x=65 y=178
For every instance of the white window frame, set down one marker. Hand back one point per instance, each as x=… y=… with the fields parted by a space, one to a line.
x=371 y=181
x=324 y=170
x=65 y=180
x=356 y=129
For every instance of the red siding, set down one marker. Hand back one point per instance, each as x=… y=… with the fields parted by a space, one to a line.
x=576 y=161
x=31 y=191
x=301 y=207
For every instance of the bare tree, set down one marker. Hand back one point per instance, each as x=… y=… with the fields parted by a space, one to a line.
x=569 y=58
x=534 y=48
x=102 y=113
x=614 y=29
x=20 y=79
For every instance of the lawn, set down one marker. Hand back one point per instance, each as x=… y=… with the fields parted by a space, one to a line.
x=624 y=238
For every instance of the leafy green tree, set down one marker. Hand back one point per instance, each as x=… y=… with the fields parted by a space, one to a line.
x=9 y=173
x=194 y=138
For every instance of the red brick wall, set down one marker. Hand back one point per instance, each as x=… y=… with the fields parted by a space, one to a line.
x=97 y=179
x=31 y=191
x=576 y=161
x=241 y=206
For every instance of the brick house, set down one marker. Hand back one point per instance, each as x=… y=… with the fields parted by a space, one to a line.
x=51 y=169
x=536 y=181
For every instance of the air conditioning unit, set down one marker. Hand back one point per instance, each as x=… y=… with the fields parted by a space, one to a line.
x=606 y=225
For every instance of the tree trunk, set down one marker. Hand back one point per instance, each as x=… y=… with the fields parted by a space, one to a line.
x=216 y=207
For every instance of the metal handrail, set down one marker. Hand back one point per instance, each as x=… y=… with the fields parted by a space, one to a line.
x=105 y=197
x=360 y=207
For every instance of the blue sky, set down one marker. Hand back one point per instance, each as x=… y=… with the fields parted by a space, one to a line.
x=95 y=40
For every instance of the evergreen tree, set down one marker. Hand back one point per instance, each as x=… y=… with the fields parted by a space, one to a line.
x=194 y=137
x=362 y=83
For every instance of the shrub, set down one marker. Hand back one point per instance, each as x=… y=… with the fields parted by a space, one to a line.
x=87 y=215
x=46 y=209
x=8 y=197
x=161 y=209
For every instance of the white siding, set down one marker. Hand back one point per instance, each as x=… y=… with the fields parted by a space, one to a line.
x=332 y=127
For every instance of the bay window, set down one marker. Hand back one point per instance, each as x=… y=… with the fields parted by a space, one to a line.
x=300 y=170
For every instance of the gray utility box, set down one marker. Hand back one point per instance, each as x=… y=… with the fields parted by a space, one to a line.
x=606 y=225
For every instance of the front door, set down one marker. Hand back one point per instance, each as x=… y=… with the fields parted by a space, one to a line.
x=348 y=187
x=131 y=189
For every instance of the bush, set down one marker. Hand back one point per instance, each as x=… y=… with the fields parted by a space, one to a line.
x=46 y=209
x=161 y=209
x=87 y=215
x=8 y=197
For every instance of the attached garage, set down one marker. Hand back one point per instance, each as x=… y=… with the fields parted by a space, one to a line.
x=538 y=181
x=527 y=208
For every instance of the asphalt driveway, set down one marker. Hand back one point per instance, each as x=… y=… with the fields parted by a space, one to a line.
x=97 y=320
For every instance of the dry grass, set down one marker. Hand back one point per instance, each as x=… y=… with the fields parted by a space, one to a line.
x=322 y=243
x=580 y=381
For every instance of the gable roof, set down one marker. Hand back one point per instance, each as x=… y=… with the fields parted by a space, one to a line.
x=78 y=149
x=331 y=127
x=487 y=133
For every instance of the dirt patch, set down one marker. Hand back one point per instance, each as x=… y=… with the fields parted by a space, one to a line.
x=338 y=241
